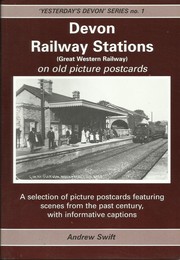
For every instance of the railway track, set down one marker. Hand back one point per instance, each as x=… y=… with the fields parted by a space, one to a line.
x=87 y=160
x=141 y=168
x=114 y=163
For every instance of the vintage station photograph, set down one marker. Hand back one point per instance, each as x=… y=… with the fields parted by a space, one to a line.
x=91 y=129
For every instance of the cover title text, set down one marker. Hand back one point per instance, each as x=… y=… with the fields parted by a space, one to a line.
x=97 y=46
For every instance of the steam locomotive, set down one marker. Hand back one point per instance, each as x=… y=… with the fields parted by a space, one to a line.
x=146 y=132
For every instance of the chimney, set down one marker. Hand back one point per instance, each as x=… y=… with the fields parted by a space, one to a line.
x=47 y=85
x=76 y=95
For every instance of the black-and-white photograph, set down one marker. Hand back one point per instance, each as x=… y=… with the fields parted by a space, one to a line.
x=91 y=129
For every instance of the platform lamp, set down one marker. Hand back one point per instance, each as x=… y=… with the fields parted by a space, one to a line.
x=41 y=81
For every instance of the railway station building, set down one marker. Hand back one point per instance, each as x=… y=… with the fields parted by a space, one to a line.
x=64 y=113
x=125 y=122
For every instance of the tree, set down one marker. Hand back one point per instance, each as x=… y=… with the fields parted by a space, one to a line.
x=158 y=123
x=141 y=112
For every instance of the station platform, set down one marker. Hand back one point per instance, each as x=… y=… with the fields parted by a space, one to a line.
x=25 y=160
x=159 y=171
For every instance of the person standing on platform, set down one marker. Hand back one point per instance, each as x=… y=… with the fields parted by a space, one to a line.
x=91 y=137
x=87 y=135
x=83 y=136
x=68 y=136
x=108 y=134
x=100 y=135
x=51 y=136
x=32 y=139
x=56 y=137
x=97 y=137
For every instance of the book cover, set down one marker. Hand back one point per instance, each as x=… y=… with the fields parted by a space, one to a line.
x=90 y=130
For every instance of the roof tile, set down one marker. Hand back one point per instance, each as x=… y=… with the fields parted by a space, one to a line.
x=48 y=97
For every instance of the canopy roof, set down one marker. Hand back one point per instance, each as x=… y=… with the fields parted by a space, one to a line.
x=87 y=104
x=60 y=101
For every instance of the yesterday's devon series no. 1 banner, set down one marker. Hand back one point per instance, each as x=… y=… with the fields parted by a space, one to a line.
x=90 y=130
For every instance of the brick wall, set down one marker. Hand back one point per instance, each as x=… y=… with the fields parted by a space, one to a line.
x=27 y=98
x=28 y=107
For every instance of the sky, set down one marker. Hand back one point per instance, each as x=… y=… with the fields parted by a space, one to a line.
x=150 y=94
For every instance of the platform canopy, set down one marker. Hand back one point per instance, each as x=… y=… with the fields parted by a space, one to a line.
x=86 y=104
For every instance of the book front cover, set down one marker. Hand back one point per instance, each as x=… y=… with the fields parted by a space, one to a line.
x=90 y=131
